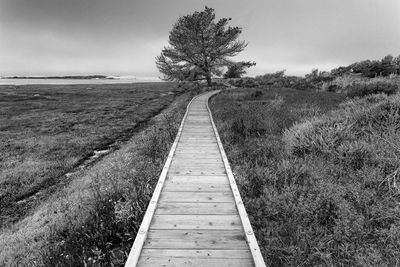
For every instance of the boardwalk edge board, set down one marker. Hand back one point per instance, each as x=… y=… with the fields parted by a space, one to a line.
x=251 y=239
x=136 y=249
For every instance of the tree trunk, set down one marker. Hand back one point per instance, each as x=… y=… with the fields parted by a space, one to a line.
x=208 y=78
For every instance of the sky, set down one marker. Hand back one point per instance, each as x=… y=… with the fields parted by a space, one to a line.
x=123 y=37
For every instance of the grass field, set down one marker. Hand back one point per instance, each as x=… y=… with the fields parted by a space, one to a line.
x=319 y=178
x=93 y=219
x=49 y=130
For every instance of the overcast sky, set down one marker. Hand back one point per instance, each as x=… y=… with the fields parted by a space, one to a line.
x=122 y=37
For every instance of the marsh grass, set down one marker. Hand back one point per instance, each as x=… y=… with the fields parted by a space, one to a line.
x=108 y=233
x=48 y=130
x=94 y=220
x=321 y=181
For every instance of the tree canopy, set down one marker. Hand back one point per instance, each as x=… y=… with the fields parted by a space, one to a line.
x=199 y=47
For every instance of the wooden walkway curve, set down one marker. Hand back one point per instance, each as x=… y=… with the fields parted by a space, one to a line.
x=196 y=216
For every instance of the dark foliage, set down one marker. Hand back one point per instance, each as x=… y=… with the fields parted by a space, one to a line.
x=363 y=89
x=238 y=69
x=371 y=68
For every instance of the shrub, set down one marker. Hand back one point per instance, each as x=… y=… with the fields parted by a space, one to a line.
x=244 y=82
x=363 y=89
x=358 y=86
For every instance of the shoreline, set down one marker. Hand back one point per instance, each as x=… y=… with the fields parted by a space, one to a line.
x=36 y=81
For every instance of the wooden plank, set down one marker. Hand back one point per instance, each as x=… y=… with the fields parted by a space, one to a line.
x=201 y=147
x=194 y=167
x=194 y=152
x=199 y=154
x=192 y=257
x=198 y=143
x=202 y=254
x=204 y=136
x=195 y=208
x=179 y=262
x=198 y=222
x=189 y=159
x=197 y=130
x=195 y=145
x=209 y=179
x=197 y=138
x=196 y=155
x=182 y=170
x=196 y=187
x=198 y=172
x=198 y=162
x=196 y=197
x=196 y=239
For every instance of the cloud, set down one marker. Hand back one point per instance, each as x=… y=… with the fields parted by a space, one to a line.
x=124 y=36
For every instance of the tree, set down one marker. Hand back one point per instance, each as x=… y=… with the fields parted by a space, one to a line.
x=199 y=47
x=313 y=75
x=238 y=69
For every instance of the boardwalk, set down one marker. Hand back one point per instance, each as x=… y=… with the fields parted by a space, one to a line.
x=196 y=216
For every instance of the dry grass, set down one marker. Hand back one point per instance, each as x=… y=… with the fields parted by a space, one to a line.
x=93 y=221
x=48 y=130
x=321 y=187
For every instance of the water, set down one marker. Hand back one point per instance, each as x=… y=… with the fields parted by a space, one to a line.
x=76 y=81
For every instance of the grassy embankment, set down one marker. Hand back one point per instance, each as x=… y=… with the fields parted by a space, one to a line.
x=93 y=220
x=320 y=179
x=48 y=130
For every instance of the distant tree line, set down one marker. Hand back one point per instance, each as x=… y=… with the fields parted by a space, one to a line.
x=61 y=77
x=371 y=68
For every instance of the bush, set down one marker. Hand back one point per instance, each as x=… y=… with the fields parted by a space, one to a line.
x=279 y=79
x=360 y=90
x=244 y=82
x=358 y=86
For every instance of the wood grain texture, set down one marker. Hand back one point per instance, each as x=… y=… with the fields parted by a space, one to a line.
x=192 y=257
x=196 y=208
x=199 y=222
x=196 y=239
x=213 y=197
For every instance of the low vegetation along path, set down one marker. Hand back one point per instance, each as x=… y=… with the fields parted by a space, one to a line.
x=196 y=216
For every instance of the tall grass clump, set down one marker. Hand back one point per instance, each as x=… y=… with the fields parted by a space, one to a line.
x=323 y=191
